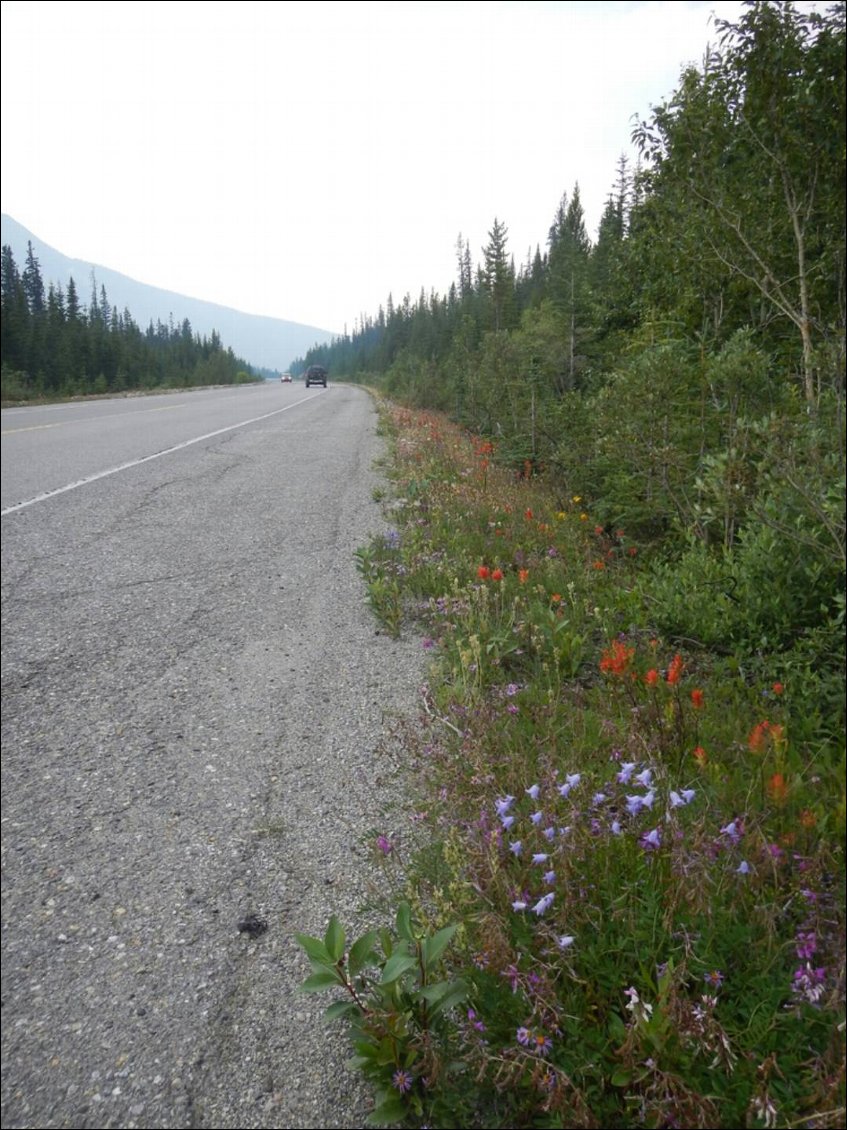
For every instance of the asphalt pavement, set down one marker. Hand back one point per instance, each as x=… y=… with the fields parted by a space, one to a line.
x=196 y=739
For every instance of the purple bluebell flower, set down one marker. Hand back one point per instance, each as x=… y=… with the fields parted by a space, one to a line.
x=519 y=905
x=598 y=798
x=616 y=828
x=634 y=804
x=626 y=771
x=503 y=804
x=565 y=941
x=544 y=904
x=507 y=822
x=537 y=817
x=550 y=877
x=540 y=857
x=549 y=833
x=516 y=847
x=533 y=791
x=743 y=868
x=652 y=840
x=645 y=778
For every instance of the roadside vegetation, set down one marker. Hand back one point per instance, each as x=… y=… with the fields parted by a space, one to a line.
x=618 y=530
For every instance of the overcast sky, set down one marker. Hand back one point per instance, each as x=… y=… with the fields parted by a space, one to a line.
x=303 y=160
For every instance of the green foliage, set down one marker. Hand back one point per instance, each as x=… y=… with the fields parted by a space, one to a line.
x=397 y=1003
x=51 y=346
x=637 y=836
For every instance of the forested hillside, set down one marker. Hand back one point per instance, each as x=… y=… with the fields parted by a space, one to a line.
x=686 y=370
x=53 y=345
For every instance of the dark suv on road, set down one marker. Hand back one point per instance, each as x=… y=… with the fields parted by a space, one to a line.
x=316 y=375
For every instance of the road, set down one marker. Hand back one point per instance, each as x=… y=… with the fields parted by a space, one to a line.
x=195 y=709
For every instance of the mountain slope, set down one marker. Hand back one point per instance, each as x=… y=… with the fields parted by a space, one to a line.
x=269 y=343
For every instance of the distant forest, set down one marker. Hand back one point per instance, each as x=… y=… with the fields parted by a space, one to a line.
x=687 y=366
x=52 y=345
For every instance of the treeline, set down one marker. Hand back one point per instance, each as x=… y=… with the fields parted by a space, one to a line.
x=685 y=372
x=52 y=345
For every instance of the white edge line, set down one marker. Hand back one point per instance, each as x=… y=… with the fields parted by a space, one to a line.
x=146 y=458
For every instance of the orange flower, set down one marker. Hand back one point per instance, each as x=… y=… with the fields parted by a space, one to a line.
x=523 y=575
x=528 y=515
x=777 y=788
x=697 y=699
x=758 y=736
x=652 y=677
x=777 y=688
x=808 y=818
x=632 y=551
x=599 y=565
x=675 y=670
x=483 y=572
x=617 y=659
x=556 y=598
x=700 y=755
x=598 y=530
x=497 y=575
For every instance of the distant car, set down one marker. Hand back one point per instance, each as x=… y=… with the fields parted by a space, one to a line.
x=316 y=375
x=286 y=378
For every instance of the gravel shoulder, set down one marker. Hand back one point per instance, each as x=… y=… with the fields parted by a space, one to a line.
x=196 y=705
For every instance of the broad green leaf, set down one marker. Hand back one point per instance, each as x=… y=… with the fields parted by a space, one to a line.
x=362 y=952
x=341 y=1009
x=458 y=992
x=388 y=1112
x=404 y=922
x=434 y=947
x=315 y=948
x=621 y=1077
x=398 y=964
x=334 y=939
x=322 y=980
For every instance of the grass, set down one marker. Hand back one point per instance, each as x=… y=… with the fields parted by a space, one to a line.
x=643 y=867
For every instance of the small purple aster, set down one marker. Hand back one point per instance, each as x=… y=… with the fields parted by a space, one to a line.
x=403 y=1081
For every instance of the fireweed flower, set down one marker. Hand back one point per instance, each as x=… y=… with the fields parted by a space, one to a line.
x=403 y=1081
x=473 y=1020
